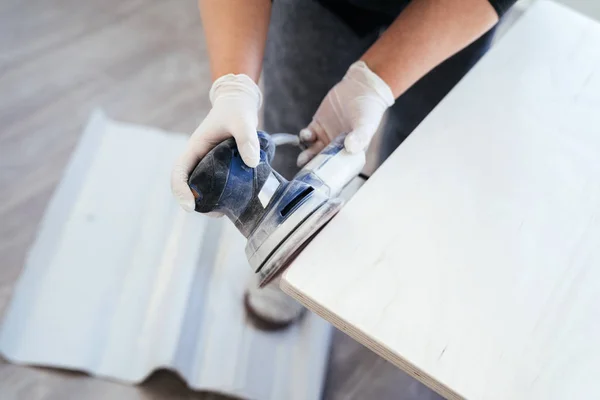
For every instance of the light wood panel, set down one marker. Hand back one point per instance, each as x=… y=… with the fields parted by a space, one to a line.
x=470 y=259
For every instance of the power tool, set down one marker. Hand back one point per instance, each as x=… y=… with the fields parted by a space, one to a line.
x=278 y=217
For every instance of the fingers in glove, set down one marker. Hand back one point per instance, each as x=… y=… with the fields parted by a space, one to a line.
x=313 y=132
x=359 y=138
x=199 y=144
x=179 y=186
x=247 y=143
x=307 y=136
x=181 y=173
x=309 y=153
x=214 y=214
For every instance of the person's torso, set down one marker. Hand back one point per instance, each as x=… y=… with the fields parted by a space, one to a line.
x=366 y=16
x=388 y=7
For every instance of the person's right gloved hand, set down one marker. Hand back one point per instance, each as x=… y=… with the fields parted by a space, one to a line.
x=235 y=101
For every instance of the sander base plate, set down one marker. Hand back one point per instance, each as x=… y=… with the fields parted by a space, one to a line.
x=297 y=240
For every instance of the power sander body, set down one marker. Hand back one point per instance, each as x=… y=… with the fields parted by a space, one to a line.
x=277 y=217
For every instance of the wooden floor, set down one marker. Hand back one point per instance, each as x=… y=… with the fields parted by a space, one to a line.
x=141 y=61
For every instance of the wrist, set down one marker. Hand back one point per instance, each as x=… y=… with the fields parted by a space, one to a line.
x=236 y=86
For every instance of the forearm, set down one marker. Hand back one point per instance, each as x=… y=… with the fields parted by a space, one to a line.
x=425 y=34
x=236 y=33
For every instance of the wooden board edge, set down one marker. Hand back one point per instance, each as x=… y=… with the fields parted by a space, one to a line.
x=373 y=345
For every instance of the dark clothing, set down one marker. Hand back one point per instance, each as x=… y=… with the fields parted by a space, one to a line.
x=393 y=7
x=365 y=16
x=502 y=6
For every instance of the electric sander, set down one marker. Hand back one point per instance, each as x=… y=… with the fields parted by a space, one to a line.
x=277 y=217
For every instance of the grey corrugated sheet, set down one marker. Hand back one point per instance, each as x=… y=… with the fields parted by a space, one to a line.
x=120 y=282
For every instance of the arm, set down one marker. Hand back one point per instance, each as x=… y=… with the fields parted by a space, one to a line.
x=425 y=34
x=236 y=33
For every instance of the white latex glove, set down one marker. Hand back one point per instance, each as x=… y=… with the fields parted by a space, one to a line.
x=354 y=106
x=235 y=101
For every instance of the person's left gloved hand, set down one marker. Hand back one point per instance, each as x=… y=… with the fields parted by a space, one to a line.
x=355 y=106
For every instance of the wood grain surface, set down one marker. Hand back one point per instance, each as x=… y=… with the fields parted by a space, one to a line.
x=470 y=259
x=141 y=61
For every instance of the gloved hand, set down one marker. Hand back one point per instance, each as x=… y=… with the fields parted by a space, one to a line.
x=355 y=106
x=235 y=101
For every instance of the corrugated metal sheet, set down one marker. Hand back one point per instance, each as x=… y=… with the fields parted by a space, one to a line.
x=120 y=282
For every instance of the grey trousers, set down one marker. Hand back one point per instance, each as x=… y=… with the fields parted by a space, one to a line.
x=308 y=51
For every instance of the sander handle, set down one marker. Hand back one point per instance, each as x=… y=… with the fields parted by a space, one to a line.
x=222 y=183
x=336 y=166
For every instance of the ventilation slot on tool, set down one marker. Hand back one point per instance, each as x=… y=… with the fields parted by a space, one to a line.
x=290 y=206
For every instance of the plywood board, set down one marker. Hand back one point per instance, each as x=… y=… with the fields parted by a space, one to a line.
x=471 y=258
